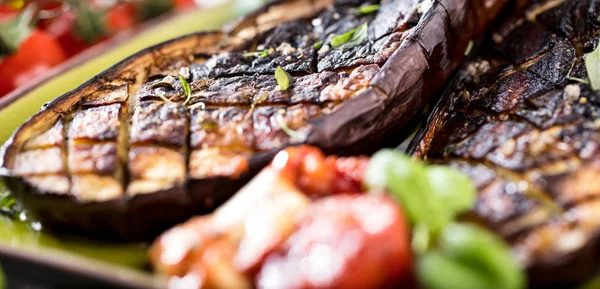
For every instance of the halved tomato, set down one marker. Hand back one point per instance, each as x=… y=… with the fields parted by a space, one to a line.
x=36 y=55
x=343 y=241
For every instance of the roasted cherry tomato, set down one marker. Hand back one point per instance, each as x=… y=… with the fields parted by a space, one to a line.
x=36 y=55
x=317 y=175
x=343 y=241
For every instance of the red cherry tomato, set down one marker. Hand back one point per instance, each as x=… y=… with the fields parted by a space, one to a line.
x=343 y=241
x=121 y=17
x=318 y=175
x=36 y=55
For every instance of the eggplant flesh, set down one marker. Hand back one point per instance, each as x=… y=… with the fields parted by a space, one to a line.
x=522 y=120
x=130 y=152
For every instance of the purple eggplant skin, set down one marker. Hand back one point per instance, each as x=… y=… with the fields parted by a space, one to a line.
x=426 y=57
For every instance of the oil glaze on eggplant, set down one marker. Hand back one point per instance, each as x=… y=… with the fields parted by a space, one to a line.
x=127 y=154
x=522 y=120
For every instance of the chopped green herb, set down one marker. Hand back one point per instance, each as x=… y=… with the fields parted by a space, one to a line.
x=284 y=79
x=262 y=53
x=469 y=48
x=351 y=38
x=290 y=132
x=186 y=89
x=368 y=9
x=592 y=64
x=342 y=38
x=359 y=36
x=318 y=45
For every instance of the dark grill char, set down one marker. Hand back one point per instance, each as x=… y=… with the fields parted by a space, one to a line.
x=129 y=153
x=289 y=45
x=526 y=130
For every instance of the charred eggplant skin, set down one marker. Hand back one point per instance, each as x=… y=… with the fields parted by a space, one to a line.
x=428 y=54
x=519 y=120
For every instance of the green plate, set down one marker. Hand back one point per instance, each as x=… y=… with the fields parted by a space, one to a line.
x=120 y=264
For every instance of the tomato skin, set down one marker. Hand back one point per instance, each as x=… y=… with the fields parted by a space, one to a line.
x=344 y=241
x=318 y=175
x=29 y=62
x=121 y=17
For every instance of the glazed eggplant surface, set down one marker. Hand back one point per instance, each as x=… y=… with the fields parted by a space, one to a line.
x=176 y=129
x=522 y=121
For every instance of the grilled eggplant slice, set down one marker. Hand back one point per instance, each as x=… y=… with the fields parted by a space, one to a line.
x=131 y=152
x=522 y=121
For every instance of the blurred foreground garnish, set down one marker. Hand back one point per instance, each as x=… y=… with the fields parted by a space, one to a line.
x=450 y=254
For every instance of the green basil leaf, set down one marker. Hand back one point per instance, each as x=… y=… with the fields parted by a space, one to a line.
x=407 y=181
x=437 y=271
x=186 y=89
x=592 y=64
x=364 y=10
x=284 y=79
x=484 y=252
x=454 y=188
